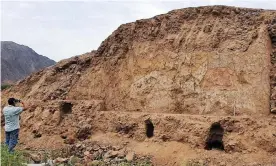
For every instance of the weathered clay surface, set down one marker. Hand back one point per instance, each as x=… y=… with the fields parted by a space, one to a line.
x=208 y=60
x=272 y=34
x=184 y=70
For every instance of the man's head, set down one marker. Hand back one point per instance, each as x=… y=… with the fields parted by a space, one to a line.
x=13 y=101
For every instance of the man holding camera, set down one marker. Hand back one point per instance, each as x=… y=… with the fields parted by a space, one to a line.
x=11 y=113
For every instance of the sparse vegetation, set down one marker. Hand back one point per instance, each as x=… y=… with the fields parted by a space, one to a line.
x=5 y=86
x=125 y=164
x=11 y=159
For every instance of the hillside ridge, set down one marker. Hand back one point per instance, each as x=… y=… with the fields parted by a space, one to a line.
x=18 y=61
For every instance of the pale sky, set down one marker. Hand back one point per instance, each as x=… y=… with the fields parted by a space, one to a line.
x=62 y=29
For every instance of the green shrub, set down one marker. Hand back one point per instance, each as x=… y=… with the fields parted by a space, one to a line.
x=125 y=164
x=11 y=159
x=144 y=163
x=5 y=86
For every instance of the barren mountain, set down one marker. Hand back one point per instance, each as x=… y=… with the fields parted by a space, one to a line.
x=18 y=61
x=156 y=86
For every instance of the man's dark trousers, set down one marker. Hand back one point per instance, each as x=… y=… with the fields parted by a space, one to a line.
x=12 y=139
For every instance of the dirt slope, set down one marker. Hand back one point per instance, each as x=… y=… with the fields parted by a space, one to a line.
x=194 y=60
x=183 y=70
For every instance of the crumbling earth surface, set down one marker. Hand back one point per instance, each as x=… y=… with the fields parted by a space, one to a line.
x=155 y=87
x=88 y=153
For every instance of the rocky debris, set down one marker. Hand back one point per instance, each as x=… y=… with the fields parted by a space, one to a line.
x=273 y=110
x=86 y=153
x=233 y=146
x=73 y=160
x=230 y=125
x=96 y=163
x=165 y=137
x=87 y=156
x=84 y=132
x=111 y=154
x=130 y=156
x=36 y=158
x=93 y=154
x=103 y=153
x=128 y=129
x=60 y=160
x=70 y=140
x=196 y=162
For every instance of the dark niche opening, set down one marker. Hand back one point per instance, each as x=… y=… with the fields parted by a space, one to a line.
x=66 y=108
x=215 y=136
x=149 y=128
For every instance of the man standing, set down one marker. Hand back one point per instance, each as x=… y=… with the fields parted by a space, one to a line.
x=11 y=113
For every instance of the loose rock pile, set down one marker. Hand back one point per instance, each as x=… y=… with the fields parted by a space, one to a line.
x=92 y=154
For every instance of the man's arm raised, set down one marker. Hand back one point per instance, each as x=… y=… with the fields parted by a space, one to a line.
x=19 y=110
x=23 y=105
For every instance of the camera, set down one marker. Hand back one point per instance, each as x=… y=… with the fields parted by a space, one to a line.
x=17 y=101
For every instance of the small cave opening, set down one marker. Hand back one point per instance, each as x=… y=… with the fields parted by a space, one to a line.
x=149 y=128
x=215 y=136
x=66 y=108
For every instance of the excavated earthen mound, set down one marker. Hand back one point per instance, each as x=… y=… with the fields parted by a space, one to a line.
x=165 y=79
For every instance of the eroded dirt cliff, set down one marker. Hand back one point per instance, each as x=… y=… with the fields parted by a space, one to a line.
x=206 y=60
x=183 y=71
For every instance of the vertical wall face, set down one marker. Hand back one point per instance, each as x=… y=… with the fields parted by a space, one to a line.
x=206 y=60
x=201 y=82
x=155 y=76
x=272 y=34
x=204 y=65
